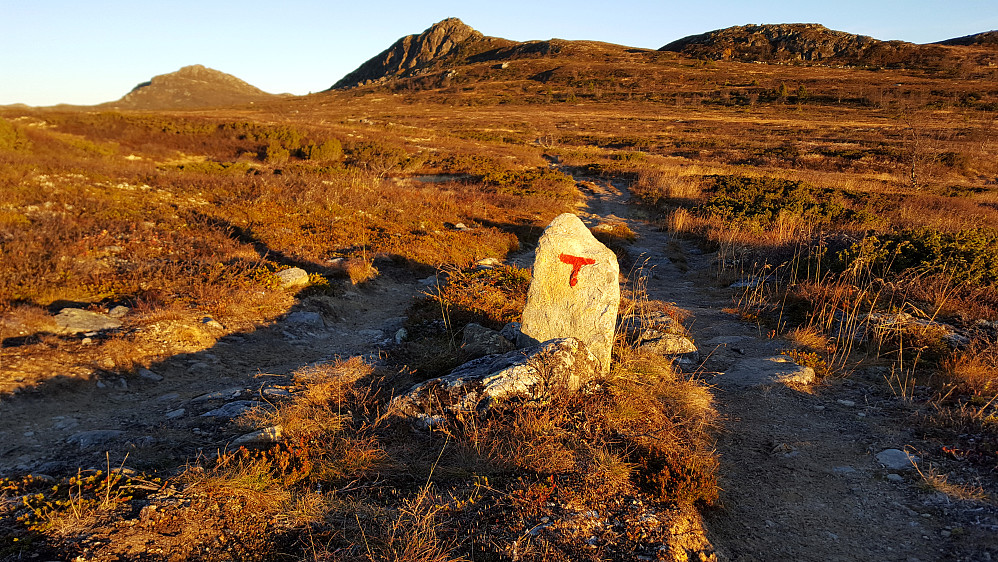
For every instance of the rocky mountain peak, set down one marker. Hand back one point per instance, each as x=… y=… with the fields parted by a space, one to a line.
x=413 y=52
x=773 y=42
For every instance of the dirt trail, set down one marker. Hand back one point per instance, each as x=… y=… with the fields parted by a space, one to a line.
x=799 y=476
x=60 y=427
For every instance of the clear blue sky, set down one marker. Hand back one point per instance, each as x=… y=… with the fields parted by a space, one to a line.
x=87 y=52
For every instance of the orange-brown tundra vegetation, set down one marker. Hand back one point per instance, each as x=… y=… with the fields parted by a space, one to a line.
x=846 y=196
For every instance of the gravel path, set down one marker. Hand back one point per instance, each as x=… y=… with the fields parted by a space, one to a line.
x=799 y=475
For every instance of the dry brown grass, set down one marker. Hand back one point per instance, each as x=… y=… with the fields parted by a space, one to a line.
x=657 y=186
x=360 y=270
x=933 y=481
x=974 y=370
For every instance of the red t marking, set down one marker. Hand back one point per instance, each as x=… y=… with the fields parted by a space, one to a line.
x=576 y=262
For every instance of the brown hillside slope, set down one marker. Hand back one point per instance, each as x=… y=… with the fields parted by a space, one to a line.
x=190 y=87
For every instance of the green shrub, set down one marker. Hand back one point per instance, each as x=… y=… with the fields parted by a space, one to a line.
x=212 y=167
x=757 y=202
x=382 y=159
x=629 y=156
x=11 y=137
x=276 y=153
x=328 y=151
x=474 y=164
x=969 y=255
x=545 y=182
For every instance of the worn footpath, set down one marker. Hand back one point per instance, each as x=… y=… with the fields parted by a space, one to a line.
x=800 y=474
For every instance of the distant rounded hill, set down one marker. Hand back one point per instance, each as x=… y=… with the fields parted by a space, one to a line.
x=814 y=43
x=191 y=87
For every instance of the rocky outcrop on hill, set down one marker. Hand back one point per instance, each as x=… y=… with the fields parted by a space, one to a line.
x=412 y=53
x=985 y=39
x=190 y=87
x=805 y=42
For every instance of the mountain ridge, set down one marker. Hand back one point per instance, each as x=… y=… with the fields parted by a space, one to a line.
x=985 y=38
x=433 y=56
x=815 y=43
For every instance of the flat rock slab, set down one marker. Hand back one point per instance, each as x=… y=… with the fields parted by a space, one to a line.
x=227 y=394
x=94 y=438
x=765 y=371
x=669 y=344
x=575 y=291
x=306 y=318
x=149 y=375
x=532 y=374
x=263 y=436
x=727 y=340
x=232 y=409
x=79 y=321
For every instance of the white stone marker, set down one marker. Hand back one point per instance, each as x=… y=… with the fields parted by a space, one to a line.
x=575 y=290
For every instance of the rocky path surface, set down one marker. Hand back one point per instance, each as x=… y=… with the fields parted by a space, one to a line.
x=183 y=406
x=799 y=471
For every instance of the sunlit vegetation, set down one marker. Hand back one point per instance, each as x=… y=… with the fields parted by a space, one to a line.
x=853 y=192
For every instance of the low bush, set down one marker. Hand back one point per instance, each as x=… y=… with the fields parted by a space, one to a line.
x=11 y=137
x=326 y=151
x=756 y=203
x=544 y=182
x=382 y=159
x=491 y=297
x=967 y=256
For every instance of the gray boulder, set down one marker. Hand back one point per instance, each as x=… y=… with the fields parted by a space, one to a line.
x=79 y=321
x=118 y=311
x=511 y=332
x=649 y=326
x=575 y=291
x=294 y=277
x=480 y=341
x=534 y=374
x=896 y=459
x=658 y=333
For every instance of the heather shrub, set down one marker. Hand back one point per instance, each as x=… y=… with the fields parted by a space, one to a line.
x=326 y=151
x=11 y=137
x=969 y=255
x=757 y=202
x=536 y=181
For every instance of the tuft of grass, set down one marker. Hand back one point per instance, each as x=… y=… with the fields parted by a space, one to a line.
x=933 y=481
x=974 y=370
x=359 y=269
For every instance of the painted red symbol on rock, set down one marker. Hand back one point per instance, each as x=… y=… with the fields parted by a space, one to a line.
x=576 y=262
